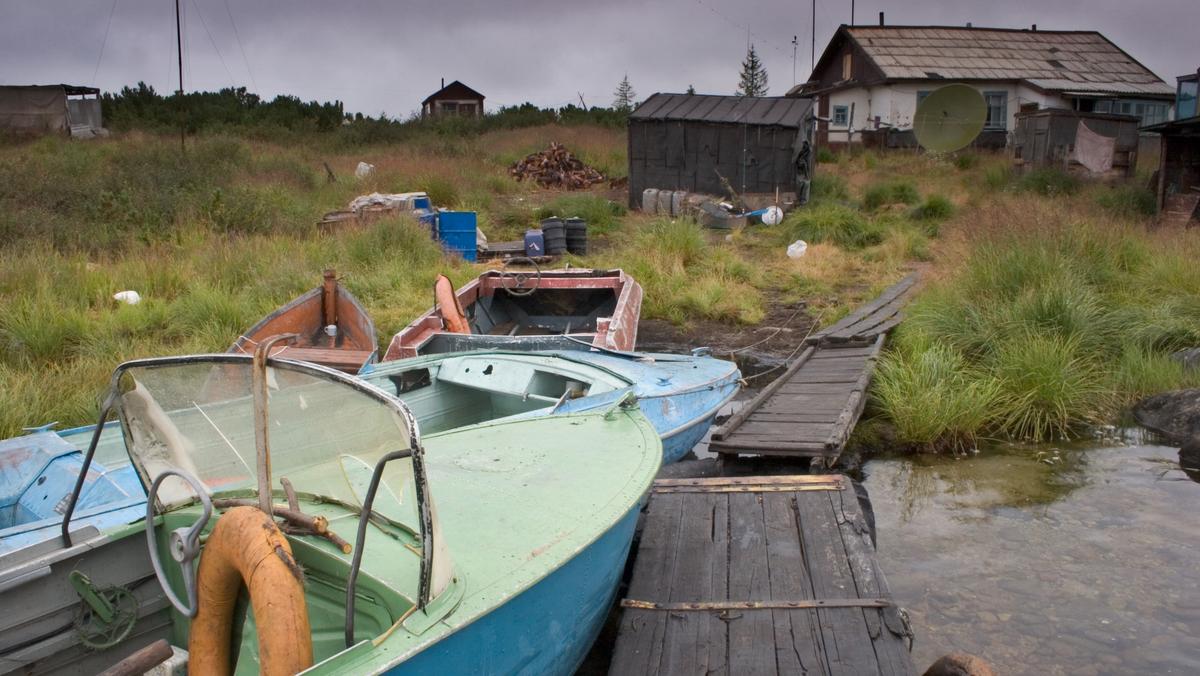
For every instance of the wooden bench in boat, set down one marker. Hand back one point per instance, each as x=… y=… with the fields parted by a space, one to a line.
x=349 y=361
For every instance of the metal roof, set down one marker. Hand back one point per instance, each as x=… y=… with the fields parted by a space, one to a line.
x=764 y=110
x=1078 y=61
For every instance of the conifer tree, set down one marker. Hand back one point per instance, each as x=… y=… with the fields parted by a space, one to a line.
x=691 y=90
x=753 y=80
x=625 y=96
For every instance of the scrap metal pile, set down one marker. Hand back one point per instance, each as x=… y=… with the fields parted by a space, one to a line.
x=556 y=167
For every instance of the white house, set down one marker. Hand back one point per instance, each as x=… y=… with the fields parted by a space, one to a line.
x=872 y=77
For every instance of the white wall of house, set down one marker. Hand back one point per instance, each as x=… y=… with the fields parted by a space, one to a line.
x=896 y=104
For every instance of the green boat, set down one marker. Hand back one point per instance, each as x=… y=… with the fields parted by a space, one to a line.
x=356 y=571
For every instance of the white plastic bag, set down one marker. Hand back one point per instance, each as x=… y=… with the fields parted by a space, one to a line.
x=796 y=249
x=128 y=297
x=363 y=170
x=772 y=216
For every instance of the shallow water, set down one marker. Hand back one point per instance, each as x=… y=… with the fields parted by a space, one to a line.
x=1067 y=560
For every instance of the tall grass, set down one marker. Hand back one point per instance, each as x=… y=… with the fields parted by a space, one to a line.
x=833 y=223
x=1061 y=324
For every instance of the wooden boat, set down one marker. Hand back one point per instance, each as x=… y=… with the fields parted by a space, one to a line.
x=347 y=347
x=679 y=394
x=489 y=581
x=542 y=310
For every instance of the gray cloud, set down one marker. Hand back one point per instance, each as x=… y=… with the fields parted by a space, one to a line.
x=385 y=57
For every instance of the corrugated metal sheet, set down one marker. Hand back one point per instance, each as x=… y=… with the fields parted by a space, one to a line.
x=1053 y=60
x=775 y=110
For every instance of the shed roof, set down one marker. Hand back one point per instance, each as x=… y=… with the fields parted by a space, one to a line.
x=758 y=110
x=1064 y=61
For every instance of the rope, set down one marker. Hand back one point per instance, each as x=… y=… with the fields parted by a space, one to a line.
x=789 y=357
x=774 y=333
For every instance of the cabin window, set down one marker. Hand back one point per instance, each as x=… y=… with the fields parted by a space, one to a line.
x=841 y=116
x=997 y=110
x=1149 y=112
x=1185 y=105
x=846 y=66
x=921 y=94
x=449 y=107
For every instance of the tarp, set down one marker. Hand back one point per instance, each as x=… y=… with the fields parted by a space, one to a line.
x=33 y=109
x=1093 y=150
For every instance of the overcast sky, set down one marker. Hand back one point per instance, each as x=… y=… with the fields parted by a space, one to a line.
x=379 y=56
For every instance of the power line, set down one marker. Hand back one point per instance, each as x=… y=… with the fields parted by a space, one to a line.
x=104 y=42
x=238 y=37
x=232 y=82
x=760 y=39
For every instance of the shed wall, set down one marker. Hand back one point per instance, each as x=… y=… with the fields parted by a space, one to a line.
x=688 y=155
x=1047 y=138
x=33 y=110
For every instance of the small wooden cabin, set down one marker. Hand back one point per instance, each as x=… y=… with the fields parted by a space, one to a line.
x=1046 y=138
x=453 y=99
x=692 y=142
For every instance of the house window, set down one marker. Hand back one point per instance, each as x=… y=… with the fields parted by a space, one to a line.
x=846 y=66
x=841 y=116
x=921 y=94
x=1185 y=100
x=448 y=107
x=997 y=110
x=1148 y=112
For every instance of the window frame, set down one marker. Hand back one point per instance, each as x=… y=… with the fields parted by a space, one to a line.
x=1002 y=125
x=845 y=116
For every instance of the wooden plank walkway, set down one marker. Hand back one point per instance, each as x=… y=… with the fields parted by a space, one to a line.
x=758 y=575
x=872 y=320
x=810 y=410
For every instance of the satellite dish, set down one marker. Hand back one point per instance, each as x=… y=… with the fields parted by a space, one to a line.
x=949 y=118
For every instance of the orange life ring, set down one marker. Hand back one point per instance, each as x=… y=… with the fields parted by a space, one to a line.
x=247 y=547
x=448 y=306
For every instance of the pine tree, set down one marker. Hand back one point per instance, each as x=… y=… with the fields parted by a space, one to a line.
x=625 y=96
x=691 y=90
x=754 y=76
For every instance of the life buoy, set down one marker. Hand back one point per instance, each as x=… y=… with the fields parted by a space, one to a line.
x=247 y=547
x=448 y=307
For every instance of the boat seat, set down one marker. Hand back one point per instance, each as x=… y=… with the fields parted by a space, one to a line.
x=349 y=361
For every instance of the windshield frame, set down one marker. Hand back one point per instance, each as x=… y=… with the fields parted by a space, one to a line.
x=111 y=404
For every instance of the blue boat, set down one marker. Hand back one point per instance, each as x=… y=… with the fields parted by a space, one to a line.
x=513 y=572
x=680 y=394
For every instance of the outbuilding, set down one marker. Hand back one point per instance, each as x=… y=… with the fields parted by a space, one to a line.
x=1100 y=144
x=50 y=109
x=452 y=99
x=1179 y=162
x=697 y=143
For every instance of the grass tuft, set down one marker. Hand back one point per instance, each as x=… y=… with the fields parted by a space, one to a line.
x=890 y=192
x=834 y=223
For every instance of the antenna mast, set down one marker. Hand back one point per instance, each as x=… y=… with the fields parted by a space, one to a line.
x=179 y=50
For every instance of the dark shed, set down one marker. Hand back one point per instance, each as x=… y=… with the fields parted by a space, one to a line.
x=1179 y=171
x=688 y=142
x=1047 y=138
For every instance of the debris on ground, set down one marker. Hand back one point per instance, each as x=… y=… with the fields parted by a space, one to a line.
x=556 y=167
x=363 y=170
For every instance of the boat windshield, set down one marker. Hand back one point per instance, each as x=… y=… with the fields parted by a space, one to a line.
x=326 y=432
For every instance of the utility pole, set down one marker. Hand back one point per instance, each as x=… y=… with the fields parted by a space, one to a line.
x=812 y=59
x=795 y=42
x=179 y=50
x=851 y=12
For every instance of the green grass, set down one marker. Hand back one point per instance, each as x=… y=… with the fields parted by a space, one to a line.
x=966 y=161
x=830 y=187
x=1066 y=324
x=935 y=208
x=826 y=156
x=1128 y=201
x=602 y=215
x=837 y=224
x=1049 y=182
x=886 y=193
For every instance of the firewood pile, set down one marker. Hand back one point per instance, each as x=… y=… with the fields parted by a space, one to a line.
x=556 y=167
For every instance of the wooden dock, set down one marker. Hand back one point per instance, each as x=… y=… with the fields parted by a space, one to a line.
x=810 y=410
x=758 y=575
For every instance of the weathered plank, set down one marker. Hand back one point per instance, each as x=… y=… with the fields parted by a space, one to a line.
x=799 y=647
x=751 y=636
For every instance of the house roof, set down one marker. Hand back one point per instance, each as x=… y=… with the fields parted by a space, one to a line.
x=758 y=110
x=454 y=90
x=1079 y=62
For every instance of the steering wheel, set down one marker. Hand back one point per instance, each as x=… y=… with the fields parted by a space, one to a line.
x=184 y=543
x=520 y=279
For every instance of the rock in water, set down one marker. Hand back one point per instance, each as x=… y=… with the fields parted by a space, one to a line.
x=1175 y=415
x=959 y=664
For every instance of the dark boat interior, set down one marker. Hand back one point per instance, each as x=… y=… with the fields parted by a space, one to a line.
x=544 y=312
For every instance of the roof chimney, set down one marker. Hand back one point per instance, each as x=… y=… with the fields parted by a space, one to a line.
x=1035 y=27
x=968 y=24
x=881 y=18
x=443 y=83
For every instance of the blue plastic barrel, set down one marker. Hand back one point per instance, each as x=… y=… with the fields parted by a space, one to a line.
x=422 y=203
x=535 y=244
x=456 y=231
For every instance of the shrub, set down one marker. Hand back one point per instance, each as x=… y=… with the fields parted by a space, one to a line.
x=829 y=187
x=892 y=192
x=934 y=208
x=965 y=161
x=601 y=214
x=1049 y=182
x=833 y=223
x=1129 y=201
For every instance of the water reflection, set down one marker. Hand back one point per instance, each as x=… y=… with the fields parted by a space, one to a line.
x=1046 y=560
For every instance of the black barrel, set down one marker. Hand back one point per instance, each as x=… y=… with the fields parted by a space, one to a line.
x=555 y=235
x=576 y=229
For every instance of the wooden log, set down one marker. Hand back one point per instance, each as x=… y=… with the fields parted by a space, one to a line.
x=141 y=661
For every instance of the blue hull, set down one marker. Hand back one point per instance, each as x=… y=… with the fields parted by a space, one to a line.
x=548 y=628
